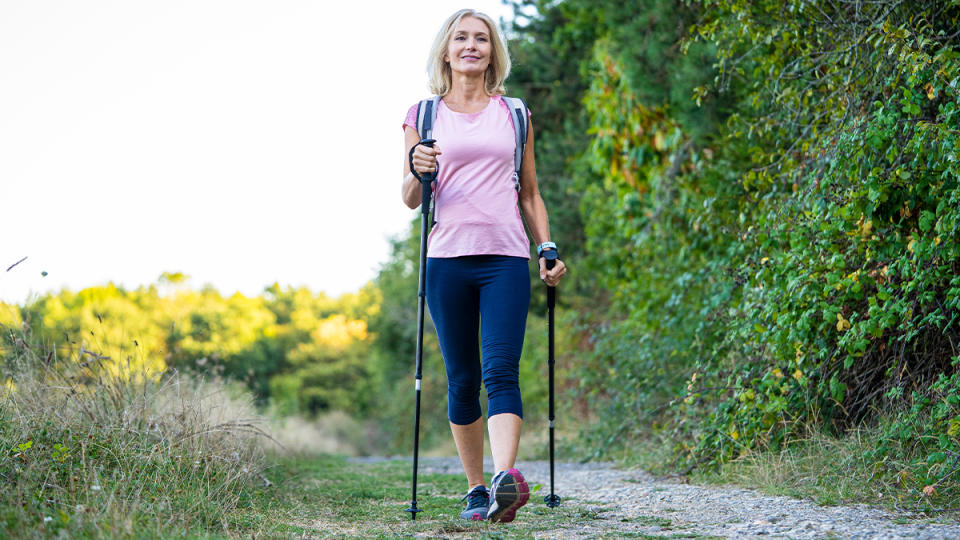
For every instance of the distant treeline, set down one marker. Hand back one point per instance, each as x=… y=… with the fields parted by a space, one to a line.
x=300 y=351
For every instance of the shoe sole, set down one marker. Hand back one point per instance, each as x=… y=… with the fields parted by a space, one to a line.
x=508 y=502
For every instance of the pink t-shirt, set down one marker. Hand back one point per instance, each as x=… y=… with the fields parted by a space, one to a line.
x=475 y=197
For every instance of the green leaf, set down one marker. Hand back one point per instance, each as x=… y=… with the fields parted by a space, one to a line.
x=837 y=389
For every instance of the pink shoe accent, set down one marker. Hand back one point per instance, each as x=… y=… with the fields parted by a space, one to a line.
x=523 y=495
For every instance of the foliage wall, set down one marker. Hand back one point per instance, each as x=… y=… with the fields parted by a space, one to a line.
x=767 y=198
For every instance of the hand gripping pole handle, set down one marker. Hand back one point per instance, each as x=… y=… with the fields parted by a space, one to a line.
x=426 y=179
x=551 y=257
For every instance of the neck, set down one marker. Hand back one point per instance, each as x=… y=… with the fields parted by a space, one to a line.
x=467 y=89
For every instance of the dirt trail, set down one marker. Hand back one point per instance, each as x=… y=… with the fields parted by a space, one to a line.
x=634 y=503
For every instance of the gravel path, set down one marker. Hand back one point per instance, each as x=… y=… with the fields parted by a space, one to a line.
x=636 y=504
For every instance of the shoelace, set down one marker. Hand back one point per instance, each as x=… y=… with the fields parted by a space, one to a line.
x=476 y=493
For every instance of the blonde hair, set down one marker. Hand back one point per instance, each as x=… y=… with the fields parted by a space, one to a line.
x=441 y=78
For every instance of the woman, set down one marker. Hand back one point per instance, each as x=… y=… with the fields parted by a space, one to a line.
x=478 y=251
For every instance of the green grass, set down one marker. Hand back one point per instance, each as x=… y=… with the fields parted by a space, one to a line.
x=823 y=468
x=328 y=496
x=653 y=520
x=832 y=470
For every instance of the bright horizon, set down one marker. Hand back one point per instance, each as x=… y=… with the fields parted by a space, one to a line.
x=241 y=143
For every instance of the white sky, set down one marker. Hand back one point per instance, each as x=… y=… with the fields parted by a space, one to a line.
x=241 y=142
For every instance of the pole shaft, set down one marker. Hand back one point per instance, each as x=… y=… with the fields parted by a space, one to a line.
x=416 y=452
x=552 y=500
x=421 y=299
x=551 y=299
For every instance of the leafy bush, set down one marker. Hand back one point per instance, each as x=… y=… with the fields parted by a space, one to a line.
x=847 y=250
x=783 y=256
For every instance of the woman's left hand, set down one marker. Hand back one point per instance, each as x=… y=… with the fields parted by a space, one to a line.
x=552 y=277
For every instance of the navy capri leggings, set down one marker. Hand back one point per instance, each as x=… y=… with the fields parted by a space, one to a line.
x=489 y=293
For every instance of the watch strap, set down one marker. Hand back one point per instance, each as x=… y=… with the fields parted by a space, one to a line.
x=544 y=246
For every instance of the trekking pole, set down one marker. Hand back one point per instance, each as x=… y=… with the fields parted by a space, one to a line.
x=425 y=185
x=552 y=500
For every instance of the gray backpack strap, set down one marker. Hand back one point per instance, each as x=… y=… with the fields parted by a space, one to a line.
x=427 y=116
x=518 y=110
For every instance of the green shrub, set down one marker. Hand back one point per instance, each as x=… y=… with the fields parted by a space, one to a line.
x=786 y=259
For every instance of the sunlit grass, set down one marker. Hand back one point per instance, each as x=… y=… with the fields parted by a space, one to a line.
x=86 y=453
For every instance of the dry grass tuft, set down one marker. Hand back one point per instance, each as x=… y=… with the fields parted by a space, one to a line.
x=85 y=451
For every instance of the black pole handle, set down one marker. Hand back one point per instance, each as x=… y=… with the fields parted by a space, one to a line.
x=551 y=257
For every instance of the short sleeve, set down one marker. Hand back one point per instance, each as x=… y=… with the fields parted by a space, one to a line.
x=411 y=119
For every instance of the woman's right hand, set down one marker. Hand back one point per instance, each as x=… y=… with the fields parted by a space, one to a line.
x=425 y=158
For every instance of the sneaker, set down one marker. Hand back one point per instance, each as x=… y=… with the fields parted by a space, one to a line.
x=508 y=492
x=478 y=503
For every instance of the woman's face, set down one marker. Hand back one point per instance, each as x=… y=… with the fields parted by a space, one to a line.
x=469 y=48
